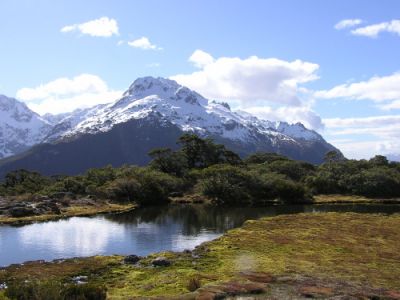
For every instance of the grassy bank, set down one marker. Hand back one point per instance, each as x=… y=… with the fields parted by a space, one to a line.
x=99 y=207
x=323 y=254
x=342 y=199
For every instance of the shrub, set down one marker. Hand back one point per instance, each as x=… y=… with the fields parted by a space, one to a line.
x=295 y=170
x=23 y=181
x=264 y=157
x=376 y=182
x=144 y=186
x=88 y=291
x=226 y=184
x=99 y=177
x=271 y=186
x=124 y=189
x=53 y=290
x=34 y=290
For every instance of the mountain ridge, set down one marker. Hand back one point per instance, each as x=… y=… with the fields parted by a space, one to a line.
x=165 y=104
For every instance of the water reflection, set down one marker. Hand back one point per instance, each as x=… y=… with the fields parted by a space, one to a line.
x=142 y=231
x=79 y=236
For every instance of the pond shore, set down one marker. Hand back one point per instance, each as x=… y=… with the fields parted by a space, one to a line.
x=14 y=212
x=83 y=207
x=348 y=199
x=319 y=255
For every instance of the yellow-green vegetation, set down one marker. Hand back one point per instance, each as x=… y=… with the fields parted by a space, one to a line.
x=100 y=207
x=363 y=249
x=326 y=199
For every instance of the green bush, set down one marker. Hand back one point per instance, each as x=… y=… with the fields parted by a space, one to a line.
x=53 y=290
x=144 y=186
x=22 y=181
x=295 y=170
x=226 y=184
x=86 y=291
x=34 y=290
x=264 y=157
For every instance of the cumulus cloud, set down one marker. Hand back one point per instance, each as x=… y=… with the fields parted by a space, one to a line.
x=347 y=23
x=67 y=94
x=201 y=59
x=305 y=115
x=374 y=30
x=384 y=90
x=102 y=27
x=143 y=43
x=248 y=80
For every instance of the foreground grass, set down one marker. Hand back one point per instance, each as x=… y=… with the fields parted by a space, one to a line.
x=362 y=249
x=71 y=211
x=326 y=199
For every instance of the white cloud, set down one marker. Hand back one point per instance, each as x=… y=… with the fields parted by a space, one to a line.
x=366 y=122
x=143 y=43
x=65 y=94
x=383 y=90
x=374 y=30
x=365 y=149
x=248 y=80
x=201 y=59
x=347 y=23
x=102 y=27
x=365 y=137
x=288 y=114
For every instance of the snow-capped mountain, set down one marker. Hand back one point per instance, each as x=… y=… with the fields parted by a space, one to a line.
x=180 y=106
x=152 y=113
x=20 y=128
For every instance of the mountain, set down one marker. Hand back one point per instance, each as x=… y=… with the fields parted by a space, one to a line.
x=20 y=127
x=154 y=112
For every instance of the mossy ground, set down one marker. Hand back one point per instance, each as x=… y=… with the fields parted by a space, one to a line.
x=326 y=199
x=362 y=249
x=70 y=211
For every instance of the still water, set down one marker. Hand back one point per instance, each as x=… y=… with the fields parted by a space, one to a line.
x=142 y=231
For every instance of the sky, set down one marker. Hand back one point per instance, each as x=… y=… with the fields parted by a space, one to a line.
x=332 y=65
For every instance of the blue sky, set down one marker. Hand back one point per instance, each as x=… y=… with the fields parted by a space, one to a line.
x=278 y=59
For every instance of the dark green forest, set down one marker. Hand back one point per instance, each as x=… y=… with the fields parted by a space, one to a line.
x=203 y=167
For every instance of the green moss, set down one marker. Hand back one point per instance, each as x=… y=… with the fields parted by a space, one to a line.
x=358 y=248
x=337 y=198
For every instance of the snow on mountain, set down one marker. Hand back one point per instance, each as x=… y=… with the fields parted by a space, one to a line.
x=181 y=106
x=167 y=102
x=20 y=128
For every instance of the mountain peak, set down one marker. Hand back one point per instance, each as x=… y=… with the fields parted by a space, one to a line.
x=151 y=85
x=20 y=127
x=162 y=88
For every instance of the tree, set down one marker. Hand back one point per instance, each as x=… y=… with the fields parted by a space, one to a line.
x=333 y=156
x=264 y=157
x=202 y=153
x=168 y=161
x=379 y=160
